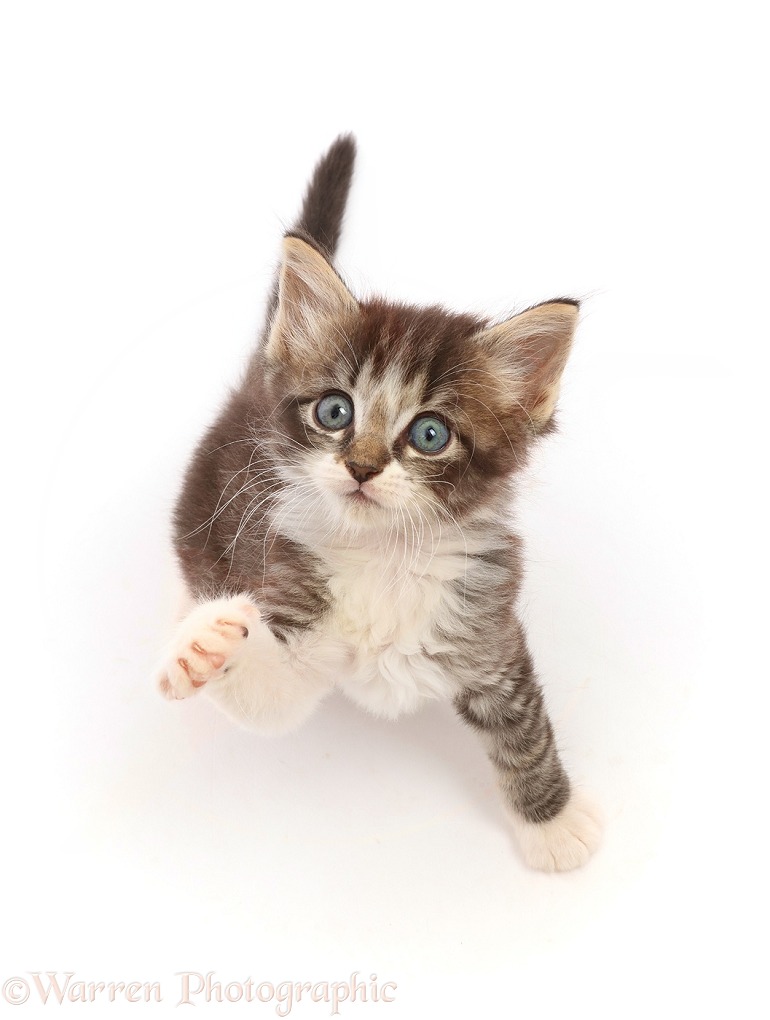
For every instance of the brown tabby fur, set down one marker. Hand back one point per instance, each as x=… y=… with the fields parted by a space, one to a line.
x=496 y=396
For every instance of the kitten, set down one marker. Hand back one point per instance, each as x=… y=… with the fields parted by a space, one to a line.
x=342 y=523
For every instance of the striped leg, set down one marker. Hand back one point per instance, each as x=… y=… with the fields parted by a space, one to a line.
x=557 y=828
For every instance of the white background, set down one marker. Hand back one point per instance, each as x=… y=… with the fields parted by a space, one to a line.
x=153 y=153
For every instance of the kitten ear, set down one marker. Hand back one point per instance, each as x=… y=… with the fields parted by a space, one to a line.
x=310 y=296
x=530 y=351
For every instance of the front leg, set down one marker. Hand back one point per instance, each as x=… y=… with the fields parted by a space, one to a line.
x=557 y=828
x=224 y=649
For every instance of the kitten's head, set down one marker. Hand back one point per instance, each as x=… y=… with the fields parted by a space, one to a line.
x=384 y=415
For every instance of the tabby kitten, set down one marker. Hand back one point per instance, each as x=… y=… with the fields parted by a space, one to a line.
x=342 y=523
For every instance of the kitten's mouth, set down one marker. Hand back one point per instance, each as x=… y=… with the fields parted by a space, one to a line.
x=361 y=497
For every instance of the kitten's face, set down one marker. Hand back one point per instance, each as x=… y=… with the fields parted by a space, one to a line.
x=376 y=452
x=393 y=417
x=391 y=424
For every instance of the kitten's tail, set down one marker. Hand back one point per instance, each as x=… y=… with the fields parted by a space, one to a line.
x=324 y=205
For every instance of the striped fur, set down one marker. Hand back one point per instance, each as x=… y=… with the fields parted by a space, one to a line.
x=318 y=557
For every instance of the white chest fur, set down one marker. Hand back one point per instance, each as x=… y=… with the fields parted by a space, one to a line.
x=387 y=603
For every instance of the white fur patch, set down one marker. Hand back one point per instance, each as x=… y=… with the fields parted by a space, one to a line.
x=389 y=568
x=566 y=841
x=387 y=600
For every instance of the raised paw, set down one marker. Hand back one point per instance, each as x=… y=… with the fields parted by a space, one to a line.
x=206 y=645
x=564 y=842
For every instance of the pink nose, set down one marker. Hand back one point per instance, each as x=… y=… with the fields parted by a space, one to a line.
x=362 y=472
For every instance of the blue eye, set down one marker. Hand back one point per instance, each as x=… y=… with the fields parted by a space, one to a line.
x=334 y=411
x=428 y=434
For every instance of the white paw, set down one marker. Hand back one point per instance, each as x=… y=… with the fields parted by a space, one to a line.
x=564 y=842
x=206 y=645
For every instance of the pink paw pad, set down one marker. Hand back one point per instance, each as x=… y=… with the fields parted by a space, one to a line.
x=207 y=645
